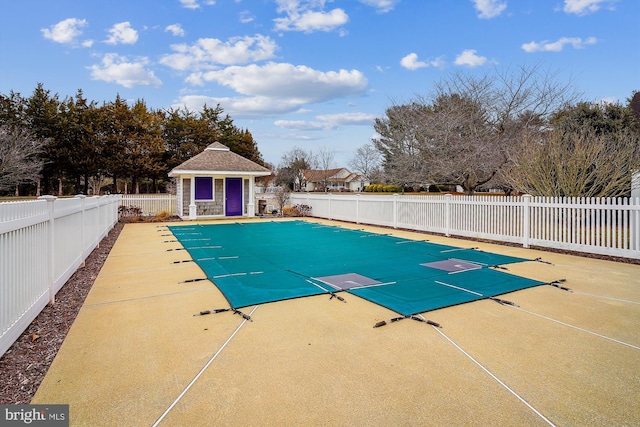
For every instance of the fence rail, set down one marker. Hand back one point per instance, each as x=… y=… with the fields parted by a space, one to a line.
x=42 y=243
x=605 y=226
x=151 y=204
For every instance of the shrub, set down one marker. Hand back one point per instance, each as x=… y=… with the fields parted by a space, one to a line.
x=129 y=211
x=303 y=210
x=160 y=217
x=383 y=188
x=297 y=210
x=290 y=211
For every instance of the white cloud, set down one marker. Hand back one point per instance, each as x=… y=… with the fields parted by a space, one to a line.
x=282 y=80
x=558 y=45
x=382 y=6
x=411 y=62
x=246 y=17
x=349 y=118
x=488 y=9
x=117 y=69
x=206 y=54
x=470 y=59
x=193 y=4
x=277 y=88
x=303 y=15
x=584 y=7
x=328 y=121
x=122 y=33
x=303 y=125
x=242 y=108
x=66 y=31
x=175 y=29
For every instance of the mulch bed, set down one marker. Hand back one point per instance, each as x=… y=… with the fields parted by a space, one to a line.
x=24 y=365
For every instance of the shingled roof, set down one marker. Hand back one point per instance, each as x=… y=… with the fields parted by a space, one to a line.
x=335 y=175
x=217 y=159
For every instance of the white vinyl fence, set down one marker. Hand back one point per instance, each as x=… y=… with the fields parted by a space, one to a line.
x=151 y=204
x=594 y=225
x=42 y=243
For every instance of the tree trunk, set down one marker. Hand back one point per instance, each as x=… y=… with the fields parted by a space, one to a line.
x=86 y=184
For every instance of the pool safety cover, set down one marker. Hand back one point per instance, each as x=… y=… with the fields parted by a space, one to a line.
x=262 y=262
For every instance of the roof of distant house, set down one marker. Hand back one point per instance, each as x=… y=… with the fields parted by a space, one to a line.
x=335 y=175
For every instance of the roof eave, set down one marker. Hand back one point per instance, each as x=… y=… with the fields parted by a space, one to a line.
x=179 y=172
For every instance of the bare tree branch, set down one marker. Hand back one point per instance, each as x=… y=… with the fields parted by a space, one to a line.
x=19 y=157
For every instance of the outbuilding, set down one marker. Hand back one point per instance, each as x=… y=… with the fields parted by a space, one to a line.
x=216 y=183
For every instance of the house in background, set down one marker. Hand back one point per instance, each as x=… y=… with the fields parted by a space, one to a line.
x=216 y=183
x=340 y=179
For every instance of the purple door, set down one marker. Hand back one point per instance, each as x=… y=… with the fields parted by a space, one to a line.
x=233 y=193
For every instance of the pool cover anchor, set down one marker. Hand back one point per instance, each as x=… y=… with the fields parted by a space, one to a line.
x=336 y=296
x=194 y=280
x=556 y=284
x=503 y=301
x=416 y=318
x=224 y=310
x=243 y=315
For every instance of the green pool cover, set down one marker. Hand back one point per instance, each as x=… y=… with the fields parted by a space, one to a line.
x=256 y=263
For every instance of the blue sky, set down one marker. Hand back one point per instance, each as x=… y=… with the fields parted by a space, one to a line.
x=309 y=73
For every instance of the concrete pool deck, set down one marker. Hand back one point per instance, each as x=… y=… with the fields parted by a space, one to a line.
x=136 y=354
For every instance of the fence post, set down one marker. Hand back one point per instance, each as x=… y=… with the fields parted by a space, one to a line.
x=50 y=247
x=447 y=214
x=83 y=224
x=358 y=208
x=395 y=210
x=526 y=220
x=330 y=216
x=634 y=223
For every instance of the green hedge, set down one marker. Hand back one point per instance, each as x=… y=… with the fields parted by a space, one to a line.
x=383 y=188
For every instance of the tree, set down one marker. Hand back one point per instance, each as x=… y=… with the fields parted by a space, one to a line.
x=400 y=144
x=461 y=135
x=84 y=142
x=366 y=162
x=591 y=151
x=634 y=103
x=76 y=141
x=239 y=141
x=292 y=167
x=187 y=134
x=42 y=120
x=325 y=161
x=20 y=160
x=12 y=110
x=146 y=147
x=281 y=197
x=460 y=144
